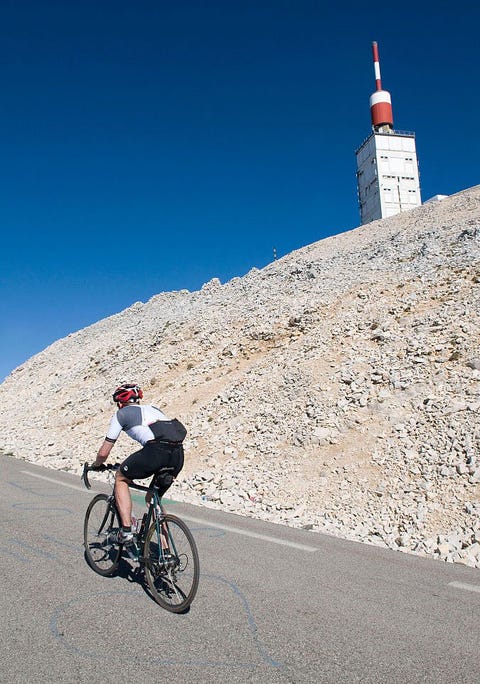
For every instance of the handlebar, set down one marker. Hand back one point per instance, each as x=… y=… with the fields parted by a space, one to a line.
x=87 y=468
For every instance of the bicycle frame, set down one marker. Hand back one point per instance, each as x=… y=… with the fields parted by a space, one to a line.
x=155 y=511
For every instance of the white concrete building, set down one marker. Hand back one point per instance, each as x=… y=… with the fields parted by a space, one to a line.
x=387 y=166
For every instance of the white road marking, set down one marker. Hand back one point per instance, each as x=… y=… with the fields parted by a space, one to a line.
x=58 y=482
x=465 y=586
x=247 y=533
x=198 y=521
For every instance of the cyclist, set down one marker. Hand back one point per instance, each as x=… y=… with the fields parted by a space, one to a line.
x=161 y=440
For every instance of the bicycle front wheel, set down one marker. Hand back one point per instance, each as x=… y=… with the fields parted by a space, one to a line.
x=172 y=566
x=99 y=532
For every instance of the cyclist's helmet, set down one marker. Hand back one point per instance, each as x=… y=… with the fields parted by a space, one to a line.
x=128 y=393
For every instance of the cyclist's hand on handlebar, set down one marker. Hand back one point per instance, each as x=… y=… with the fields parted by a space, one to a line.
x=98 y=467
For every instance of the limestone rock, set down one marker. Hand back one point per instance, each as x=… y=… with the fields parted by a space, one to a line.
x=337 y=389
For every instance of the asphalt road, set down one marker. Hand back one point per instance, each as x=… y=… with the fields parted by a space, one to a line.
x=274 y=604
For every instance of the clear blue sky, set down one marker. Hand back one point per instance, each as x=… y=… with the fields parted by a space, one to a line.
x=150 y=146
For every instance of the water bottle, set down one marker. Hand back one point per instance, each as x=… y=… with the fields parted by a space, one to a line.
x=135 y=524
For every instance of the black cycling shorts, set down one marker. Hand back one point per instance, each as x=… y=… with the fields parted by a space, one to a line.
x=152 y=457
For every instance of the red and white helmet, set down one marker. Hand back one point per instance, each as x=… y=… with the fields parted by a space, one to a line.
x=128 y=393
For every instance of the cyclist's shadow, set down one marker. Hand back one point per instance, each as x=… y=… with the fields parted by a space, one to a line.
x=134 y=575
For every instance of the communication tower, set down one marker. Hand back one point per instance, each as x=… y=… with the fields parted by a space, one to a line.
x=387 y=167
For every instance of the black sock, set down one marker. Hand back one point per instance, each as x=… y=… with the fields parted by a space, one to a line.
x=126 y=528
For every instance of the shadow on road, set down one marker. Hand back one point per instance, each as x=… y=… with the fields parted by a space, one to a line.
x=133 y=574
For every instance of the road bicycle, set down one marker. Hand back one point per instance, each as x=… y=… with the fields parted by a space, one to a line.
x=163 y=545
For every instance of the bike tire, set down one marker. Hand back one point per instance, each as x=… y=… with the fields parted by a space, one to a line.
x=174 y=583
x=100 y=527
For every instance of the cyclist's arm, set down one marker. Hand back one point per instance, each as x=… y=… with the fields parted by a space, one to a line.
x=103 y=453
x=113 y=432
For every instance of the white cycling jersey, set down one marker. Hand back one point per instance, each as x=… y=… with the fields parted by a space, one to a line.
x=135 y=420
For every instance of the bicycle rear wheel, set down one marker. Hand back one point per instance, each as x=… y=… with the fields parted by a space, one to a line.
x=99 y=531
x=172 y=573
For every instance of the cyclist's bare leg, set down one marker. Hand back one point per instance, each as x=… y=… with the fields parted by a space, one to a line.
x=164 y=537
x=163 y=530
x=123 y=498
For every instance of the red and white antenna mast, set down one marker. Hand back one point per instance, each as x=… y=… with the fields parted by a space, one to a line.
x=380 y=101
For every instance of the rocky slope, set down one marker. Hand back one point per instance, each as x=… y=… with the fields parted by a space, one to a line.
x=336 y=389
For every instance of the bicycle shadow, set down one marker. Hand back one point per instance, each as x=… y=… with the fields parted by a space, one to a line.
x=134 y=574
